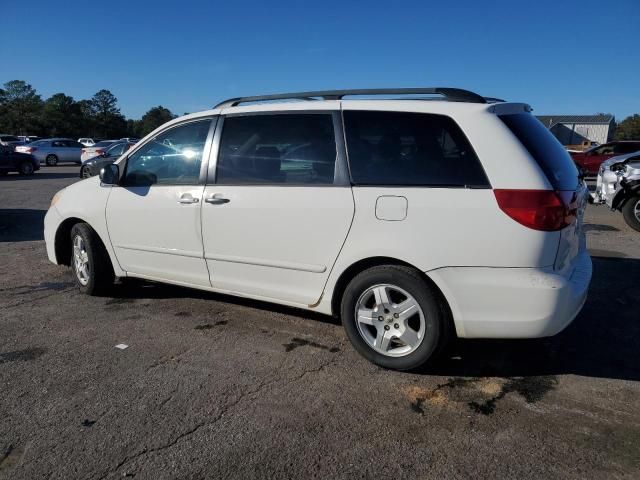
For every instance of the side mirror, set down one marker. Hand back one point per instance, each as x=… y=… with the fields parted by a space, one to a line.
x=110 y=174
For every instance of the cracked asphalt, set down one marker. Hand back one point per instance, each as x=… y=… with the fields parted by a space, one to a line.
x=217 y=387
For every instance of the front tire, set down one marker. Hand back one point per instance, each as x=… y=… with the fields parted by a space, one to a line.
x=25 y=168
x=393 y=318
x=90 y=261
x=84 y=172
x=51 y=160
x=631 y=212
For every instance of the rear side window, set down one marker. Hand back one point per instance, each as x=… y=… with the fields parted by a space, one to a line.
x=545 y=149
x=397 y=148
x=277 y=149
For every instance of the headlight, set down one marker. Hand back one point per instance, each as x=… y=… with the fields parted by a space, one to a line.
x=55 y=198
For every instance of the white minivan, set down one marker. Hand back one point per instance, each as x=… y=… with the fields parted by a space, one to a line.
x=412 y=219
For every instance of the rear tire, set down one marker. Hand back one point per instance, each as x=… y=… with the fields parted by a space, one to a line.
x=383 y=328
x=26 y=168
x=51 y=160
x=631 y=212
x=90 y=261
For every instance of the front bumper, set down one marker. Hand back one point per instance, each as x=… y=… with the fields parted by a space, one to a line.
x=51 y=222
x=514 y=302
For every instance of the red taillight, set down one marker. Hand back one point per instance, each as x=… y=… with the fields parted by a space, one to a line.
x=28 y=149
x=83 y=150
x=545 y=210
x=98 y=151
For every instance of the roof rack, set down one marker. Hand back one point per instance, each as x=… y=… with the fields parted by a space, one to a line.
x=449 y=94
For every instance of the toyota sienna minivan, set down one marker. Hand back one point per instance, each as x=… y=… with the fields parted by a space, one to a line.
x=412 y=214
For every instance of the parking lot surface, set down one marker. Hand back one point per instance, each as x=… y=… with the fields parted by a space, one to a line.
x=212 y=386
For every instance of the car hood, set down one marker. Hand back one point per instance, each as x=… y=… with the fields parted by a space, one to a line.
x=620 y=158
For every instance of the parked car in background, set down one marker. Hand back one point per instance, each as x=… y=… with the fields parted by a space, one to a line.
x=6 y=140
x=591 y=159
x=92 y=166
x=87 y=142
x=130 y=139
x=96 y=149
x=53 y=150
x=12 y=161
x=424 y=230
x=618 y=187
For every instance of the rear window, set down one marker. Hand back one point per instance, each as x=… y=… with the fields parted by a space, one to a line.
x=545 y=149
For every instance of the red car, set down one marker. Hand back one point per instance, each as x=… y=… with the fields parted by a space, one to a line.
x=592 y=158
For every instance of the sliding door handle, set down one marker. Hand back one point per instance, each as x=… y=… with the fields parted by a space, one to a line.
x=216 y=199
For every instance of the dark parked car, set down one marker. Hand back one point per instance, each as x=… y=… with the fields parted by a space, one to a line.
x=11 y=161
x=92 y=167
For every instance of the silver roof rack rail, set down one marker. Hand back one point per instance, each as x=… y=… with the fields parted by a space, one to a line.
x=449 y=94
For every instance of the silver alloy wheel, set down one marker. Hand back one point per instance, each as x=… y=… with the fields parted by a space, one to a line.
x=636 y=210
x=81 y=260
x=390 y=320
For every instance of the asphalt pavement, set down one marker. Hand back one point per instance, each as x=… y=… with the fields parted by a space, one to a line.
x=211 y=386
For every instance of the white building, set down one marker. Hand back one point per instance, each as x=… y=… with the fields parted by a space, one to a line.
x=574 y=129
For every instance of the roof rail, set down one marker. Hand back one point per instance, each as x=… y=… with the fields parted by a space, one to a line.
x=449 y=94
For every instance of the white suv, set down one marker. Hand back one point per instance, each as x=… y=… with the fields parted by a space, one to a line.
x=411 y=219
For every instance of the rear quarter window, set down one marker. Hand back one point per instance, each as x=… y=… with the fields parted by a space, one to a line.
x=410 y=149
x=545 y=149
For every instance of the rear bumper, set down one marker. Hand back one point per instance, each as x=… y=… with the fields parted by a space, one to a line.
x=514 y=302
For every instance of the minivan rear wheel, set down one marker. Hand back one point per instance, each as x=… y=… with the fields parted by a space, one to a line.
x=90 y=261
x=392 y=317
x=51 y=160
x=631 y=212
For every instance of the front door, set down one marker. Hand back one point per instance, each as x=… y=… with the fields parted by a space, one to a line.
x=153 y=217
x=280 y=208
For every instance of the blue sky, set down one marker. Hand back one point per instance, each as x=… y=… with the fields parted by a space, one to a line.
x=562 y=57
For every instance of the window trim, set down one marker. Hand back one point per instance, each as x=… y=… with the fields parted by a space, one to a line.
x=486 y=186
x=203 y=164
x=341 y=178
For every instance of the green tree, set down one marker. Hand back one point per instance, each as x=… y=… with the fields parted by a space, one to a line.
x=629 y=128
x=108 y=120
x=153 y=119
x=61 y=116
x=20 y=108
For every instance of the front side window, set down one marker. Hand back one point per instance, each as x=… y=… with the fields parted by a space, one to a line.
x=412 y=149
x=116 y=150
x=277 y=149
x=171 y=158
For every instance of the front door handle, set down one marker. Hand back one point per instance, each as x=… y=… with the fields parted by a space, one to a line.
x=216 y=199
x=188 y=198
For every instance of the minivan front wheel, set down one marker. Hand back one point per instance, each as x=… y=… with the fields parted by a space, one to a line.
x=51 y=160
x=392 y=317
x=90 y=261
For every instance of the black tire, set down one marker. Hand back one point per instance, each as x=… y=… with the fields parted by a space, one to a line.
x=51 y=160
x=436 y=324
x=99 y=277
x=26 y=168
x=630 y=212
x=84 y=172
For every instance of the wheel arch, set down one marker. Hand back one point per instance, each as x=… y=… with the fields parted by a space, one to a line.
x=354 y=269
x=63 y=240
